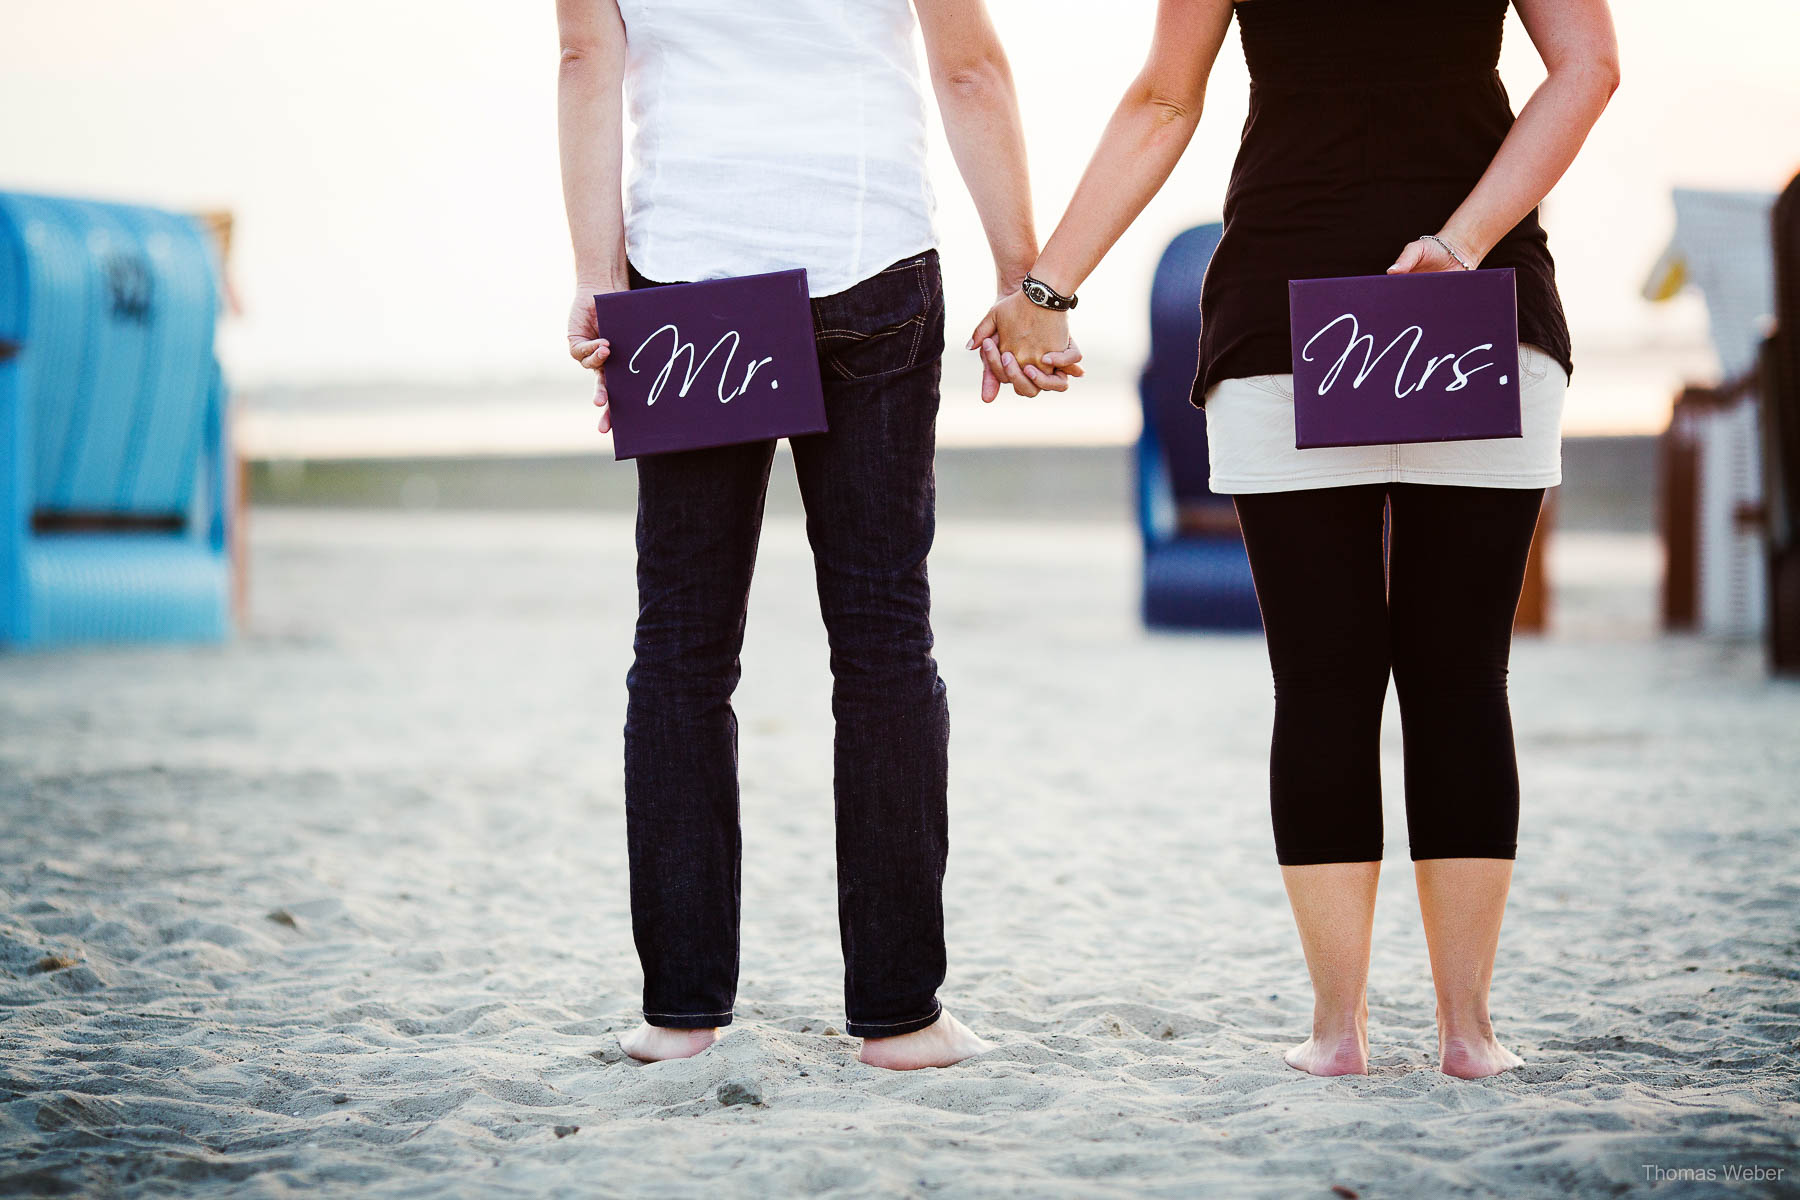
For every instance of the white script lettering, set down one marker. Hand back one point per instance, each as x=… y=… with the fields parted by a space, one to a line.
x=1370 y=359
x=691 y=371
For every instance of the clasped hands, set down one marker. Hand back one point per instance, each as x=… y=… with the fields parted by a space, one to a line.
x=1030 y=347
x=1020 y=344
x=1025 y=346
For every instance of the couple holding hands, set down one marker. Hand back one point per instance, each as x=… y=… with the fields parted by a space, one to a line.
x=772 y=134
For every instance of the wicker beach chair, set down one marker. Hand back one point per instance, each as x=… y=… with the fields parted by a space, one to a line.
x=1715 y=580
x=1781 y=439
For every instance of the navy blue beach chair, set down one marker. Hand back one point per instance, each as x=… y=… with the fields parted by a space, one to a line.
x=1196 y=574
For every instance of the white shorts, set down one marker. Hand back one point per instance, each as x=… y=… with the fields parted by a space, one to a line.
x=1250 y=436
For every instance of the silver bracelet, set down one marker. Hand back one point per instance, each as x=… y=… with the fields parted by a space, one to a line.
x=1447 y=248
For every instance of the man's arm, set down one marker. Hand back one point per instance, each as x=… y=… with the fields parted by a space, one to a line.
x=974 y=87
x=980 y=107
x=590 y=135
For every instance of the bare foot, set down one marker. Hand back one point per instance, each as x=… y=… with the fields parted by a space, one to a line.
x=1339 y=1054
x=1476 y=1056
x=653 y=1043
x=944 y=1042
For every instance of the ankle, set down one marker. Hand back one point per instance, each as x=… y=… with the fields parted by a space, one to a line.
x=670 y=1033
x=655 y=1043
x=1339 y=1022
x=1467 y=1024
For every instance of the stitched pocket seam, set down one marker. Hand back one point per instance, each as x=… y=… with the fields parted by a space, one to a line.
x=919 y=321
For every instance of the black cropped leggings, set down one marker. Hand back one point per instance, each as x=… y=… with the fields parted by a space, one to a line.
x=1436 y=612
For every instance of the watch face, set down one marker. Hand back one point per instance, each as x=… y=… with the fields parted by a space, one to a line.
x=1037 y=293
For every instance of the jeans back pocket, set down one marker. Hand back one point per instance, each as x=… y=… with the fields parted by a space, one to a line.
x=890 y=322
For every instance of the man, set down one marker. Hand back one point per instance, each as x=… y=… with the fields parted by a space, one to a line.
x=770 y=136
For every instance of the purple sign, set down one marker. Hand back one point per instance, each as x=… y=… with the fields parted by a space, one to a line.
x=711 y=364
x=1381 y=359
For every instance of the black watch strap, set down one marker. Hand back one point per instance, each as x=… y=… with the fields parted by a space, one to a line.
x=1045 y=296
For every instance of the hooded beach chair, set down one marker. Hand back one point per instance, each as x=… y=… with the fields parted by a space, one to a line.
x=1196 y=574
x=1781 y=440
x=113 y=463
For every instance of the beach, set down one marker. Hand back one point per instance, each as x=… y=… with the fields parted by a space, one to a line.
x=340 y=908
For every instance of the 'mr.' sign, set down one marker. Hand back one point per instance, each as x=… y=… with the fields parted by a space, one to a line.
x=711 y=364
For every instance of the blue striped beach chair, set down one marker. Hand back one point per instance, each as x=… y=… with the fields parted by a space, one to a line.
x=114 y=473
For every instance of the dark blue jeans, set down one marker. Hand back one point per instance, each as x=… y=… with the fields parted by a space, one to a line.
x=870 y=499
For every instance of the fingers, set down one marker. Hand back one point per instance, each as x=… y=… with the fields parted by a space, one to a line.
x=1409 y=259
x=592 y=355
x=990 y=358
x=1005 y=368
x=591 y=351
x=990 y=386
x=1000 y=367
x=1015 y=375
x=988 y=328
x=1066 y=362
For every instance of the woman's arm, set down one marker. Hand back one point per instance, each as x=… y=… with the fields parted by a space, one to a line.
x=590 y=135
x=1575 y=39
x=1144 y=140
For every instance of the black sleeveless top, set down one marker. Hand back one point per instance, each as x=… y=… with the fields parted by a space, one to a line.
x=1370 y=122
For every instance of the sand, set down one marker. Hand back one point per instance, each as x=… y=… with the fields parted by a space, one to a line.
x=345 y=902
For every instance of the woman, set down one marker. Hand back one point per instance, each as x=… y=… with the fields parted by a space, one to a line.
x=1379 y=139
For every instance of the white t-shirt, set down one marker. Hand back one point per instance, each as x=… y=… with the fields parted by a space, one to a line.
x=772 y=134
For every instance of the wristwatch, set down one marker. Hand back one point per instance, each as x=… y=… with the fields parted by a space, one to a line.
x=1045 y=296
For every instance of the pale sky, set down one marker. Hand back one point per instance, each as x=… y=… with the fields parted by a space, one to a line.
x=393 y=165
